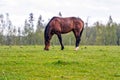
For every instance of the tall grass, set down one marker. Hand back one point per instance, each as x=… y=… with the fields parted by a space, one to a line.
x=33 y=63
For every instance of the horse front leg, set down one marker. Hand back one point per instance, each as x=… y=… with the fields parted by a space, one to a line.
x=60 y=40
x=77 y=42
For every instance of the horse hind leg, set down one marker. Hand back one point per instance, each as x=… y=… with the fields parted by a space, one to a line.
x=77 y=43
x=77 y=36
x=60 y=40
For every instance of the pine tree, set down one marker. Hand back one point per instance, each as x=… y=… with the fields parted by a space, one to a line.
x=1 y=28
x=40 y=25
x=9 y=29
x=60 y=14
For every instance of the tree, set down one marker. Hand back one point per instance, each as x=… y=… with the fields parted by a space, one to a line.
x=99 y=33
x=9 y=30
x=110 y=21
x=118 y=34
x=19 y=35
x=26 y=28
x=39 y=38
x=31 y=19
x=110 y=35
x=60 y=14
x=40 y=25
x=1 y=28
x=26 y=32
x=14 y=36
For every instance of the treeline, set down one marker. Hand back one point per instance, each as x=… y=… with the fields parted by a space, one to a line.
x=33 y=34
x=100 y=34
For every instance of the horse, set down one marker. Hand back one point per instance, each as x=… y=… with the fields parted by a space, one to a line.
x=59 y=25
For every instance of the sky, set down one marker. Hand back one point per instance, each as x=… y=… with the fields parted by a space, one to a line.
x=91 y=10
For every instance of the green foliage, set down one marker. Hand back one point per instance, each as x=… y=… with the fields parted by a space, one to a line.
x=101 y=34
x=98 y=34
x=33 y=63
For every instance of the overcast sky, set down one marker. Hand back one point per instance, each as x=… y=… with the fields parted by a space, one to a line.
x=96 y=10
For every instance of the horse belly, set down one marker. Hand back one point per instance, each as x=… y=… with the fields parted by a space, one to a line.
x=63 y=31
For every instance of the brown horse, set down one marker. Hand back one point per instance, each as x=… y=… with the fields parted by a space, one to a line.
x=58 y=26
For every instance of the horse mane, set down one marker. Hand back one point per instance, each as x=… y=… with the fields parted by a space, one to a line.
x=47 y=27
x=50 y=21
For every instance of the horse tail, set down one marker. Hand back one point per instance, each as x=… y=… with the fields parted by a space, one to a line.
x=82 y=30
x=82 y=26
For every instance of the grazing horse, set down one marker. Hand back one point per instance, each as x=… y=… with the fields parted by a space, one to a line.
x=58 y=26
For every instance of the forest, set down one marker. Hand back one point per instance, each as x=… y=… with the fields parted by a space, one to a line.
x=33 y=34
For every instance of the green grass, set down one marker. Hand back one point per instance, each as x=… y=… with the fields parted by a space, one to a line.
x=33 y=63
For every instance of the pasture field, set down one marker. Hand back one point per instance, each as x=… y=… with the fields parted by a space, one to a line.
x=33 y=63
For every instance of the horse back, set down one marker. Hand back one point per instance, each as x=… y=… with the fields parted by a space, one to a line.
x=65 y=25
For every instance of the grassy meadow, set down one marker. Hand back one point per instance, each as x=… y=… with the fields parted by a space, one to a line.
x=33 y=63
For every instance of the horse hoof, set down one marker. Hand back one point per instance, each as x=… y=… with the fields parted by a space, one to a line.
x=62 y=48
x=76 y=48
x=46 y=49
